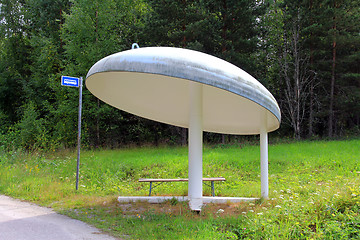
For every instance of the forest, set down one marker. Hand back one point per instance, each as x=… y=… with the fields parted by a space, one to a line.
x=306 y=53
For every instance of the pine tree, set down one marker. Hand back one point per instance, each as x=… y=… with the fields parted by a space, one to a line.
x=333 y=27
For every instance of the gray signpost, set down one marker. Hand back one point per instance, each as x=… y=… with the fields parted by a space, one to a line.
x=76 y=82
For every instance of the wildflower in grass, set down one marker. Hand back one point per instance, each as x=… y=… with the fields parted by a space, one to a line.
x=251 y=204
x=244 y=213
x=220 y=210
x=275 y=191
x=281 y=196
x=260 y=213
x=278 y=206
x=251 y=210
x=264 y=208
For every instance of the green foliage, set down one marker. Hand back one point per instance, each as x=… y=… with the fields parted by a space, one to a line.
x=106 y=27
x=222 y=28
x=31 y=127
x=42 y=40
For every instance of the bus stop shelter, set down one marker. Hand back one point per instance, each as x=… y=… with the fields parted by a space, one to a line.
x=188 y=89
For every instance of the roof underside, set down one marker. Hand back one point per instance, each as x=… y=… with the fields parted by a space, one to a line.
x=154 y=83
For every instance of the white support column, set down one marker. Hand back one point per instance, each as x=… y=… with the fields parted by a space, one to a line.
x=195 y=190
x=264 y=156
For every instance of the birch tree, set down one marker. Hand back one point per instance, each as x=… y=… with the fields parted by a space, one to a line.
x=287 y=52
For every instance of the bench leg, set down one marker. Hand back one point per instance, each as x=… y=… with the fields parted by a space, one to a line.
x=150 y=189
x=212 y=188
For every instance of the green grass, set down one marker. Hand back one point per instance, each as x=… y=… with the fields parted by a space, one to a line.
x=314 y=190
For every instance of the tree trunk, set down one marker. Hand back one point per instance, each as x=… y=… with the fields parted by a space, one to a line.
x=184 y=40
x=184 y=133
x=332 y=85
x=224 y=27
x=98 y=100
x=311 y=109
x=223 y=141
x=311 y=105
x=297 y=80
x=98 y=125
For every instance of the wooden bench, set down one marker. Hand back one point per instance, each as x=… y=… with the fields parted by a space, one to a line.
x=161 y=181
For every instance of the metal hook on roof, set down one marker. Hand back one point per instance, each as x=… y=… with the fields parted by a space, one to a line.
x=135 y=45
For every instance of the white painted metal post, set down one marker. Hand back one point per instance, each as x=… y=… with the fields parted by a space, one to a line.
x=264 y=156
x=195 y=147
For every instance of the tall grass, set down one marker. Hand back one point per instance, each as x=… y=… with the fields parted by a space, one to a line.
x=314 y=190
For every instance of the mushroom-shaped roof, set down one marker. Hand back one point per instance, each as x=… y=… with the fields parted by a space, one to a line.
x=153 y=83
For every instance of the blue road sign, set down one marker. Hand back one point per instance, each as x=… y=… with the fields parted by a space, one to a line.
x=70 y=81
x=76 y=82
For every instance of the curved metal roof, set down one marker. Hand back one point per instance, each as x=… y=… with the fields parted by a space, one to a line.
x=153 y=82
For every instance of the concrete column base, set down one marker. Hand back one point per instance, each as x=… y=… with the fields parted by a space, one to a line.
x=196 y=204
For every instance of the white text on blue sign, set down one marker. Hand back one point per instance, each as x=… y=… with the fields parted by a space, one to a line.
x=70 y=81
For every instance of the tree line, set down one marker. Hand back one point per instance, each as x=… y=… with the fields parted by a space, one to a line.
x=305 y=52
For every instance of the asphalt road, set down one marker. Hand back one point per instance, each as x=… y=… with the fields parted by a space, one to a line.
x=25 y=221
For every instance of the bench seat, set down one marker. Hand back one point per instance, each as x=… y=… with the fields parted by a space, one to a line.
x=160 y=181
